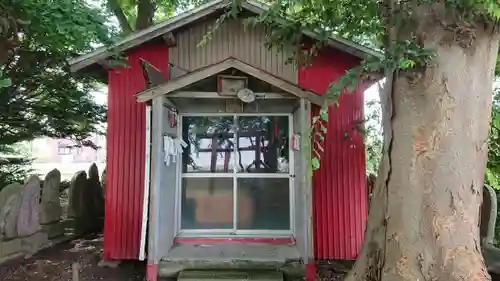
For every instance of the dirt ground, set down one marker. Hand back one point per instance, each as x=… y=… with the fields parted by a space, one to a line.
x=55 y=264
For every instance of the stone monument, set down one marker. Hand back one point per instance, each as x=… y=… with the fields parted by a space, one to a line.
x=51 y=210
x=28 y=221
x=78 y=216
x=10 y=205
x=96 y=193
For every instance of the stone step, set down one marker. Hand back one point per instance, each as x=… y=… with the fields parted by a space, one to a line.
x=229 y=275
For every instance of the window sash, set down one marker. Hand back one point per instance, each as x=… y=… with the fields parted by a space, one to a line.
x=235 y=175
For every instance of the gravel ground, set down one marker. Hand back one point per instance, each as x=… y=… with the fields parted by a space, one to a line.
x=331 y=271
x=55 y=264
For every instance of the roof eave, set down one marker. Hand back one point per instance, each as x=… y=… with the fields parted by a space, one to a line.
x=79 y=63
x=137 y=38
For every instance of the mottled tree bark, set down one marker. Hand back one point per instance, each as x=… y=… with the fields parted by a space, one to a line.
x=424 y=213
x=145 y=14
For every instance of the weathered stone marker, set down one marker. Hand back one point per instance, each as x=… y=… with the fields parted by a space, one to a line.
x=95 y=191
x=51 y=211
x=10 y=204
x=51 y=202
x=28 y=221
x=79 y=217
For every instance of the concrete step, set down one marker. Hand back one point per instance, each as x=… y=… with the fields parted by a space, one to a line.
x=229 y=275
x=231 y=257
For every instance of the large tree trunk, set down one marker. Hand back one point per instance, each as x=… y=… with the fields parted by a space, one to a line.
x=145 y=14
x=424 y=213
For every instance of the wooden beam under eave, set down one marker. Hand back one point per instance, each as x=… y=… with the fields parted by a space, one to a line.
x=277 y=82
x=183 y=81
x=169 y=39
x=215 y=95
x=168 y=103
x=104 y=64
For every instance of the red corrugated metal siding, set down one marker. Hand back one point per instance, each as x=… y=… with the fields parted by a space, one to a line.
x=339 y=187
x=126 y=153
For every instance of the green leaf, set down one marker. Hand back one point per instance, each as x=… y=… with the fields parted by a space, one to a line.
x=315 y=163
x=6 y=82
x=324 y=114
x=352 y=86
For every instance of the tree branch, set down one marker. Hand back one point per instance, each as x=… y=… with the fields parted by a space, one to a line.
x=117 y=10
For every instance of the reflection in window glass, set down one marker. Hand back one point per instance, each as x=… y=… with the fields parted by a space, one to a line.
x=207 y=203
x=263 y=144
x=263 y=204
x=210 y=144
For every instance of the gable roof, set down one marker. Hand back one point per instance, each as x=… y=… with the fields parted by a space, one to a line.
x=211 y=70
x=155 y=31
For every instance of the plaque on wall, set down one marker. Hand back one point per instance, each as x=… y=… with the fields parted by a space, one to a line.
x=228 y=85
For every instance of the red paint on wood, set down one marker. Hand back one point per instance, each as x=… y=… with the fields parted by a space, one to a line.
x=126 y=151
x=339 y=187
x=270 y=240
x=152 y=272
x=311 y=270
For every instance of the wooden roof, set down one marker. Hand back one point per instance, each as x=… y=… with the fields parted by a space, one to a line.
x=211 y=70
x=174 y=23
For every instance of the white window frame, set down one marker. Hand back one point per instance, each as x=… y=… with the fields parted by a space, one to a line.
x=236 y=175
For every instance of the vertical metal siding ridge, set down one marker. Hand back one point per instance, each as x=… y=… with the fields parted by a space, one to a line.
x=347 y=175
x=126 y=153
x=338 y=186
x=329 y=178
x=120 y=164
x=338 y=122
x=112 y=198
x=109 y=170
x=127 y=176
x=119 y=177
x=354 y=161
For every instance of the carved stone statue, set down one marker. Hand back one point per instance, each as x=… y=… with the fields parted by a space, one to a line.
x=51 y=202
x=28 y=221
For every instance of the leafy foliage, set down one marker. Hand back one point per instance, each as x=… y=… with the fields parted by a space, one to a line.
x=492 y=176
x=14 y=165
x=133 y=15
x=373 y=136
x=38 y=94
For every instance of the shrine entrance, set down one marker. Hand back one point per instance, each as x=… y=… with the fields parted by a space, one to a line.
x=224 y=168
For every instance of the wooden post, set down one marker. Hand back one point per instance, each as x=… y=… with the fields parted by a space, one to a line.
x=76 y=271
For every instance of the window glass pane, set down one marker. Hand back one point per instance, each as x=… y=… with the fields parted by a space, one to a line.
x=263 y=145
x=207 y=203
x=263 y=204
x=210 y=144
